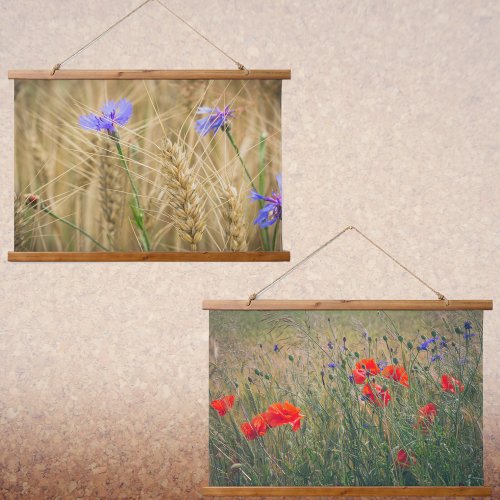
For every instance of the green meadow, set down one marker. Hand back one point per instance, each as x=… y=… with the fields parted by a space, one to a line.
x=383 y=431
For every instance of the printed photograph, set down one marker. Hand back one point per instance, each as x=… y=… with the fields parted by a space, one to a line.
x=153 y=165
x=346 y=398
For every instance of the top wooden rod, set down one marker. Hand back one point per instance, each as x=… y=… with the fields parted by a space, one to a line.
x=353 y=305
x=151 y=74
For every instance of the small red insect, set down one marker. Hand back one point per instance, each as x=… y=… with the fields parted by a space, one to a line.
x=223 y=405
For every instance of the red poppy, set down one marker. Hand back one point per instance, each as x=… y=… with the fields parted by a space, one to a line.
x=450 y=384
x=397 y=373
x=404 y=460
x=426 y=416
x=257 y=427
x=223 y=405
x=364 y=369
x=283 y=413
x=359 y=376
x=381 y=397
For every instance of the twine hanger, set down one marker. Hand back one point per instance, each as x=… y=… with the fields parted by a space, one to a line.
x=254 y=296
x=168 y=9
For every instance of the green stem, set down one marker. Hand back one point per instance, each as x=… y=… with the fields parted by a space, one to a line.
x=263 y=231
x=70 y=224
x=237 y=150
x=136 y=205
x=275 y=235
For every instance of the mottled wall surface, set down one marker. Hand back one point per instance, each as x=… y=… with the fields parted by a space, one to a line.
x=390 y=123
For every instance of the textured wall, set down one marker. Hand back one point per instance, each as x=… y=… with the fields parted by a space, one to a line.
x=390 y=123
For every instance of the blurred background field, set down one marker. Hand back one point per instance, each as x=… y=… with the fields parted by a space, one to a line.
x=306 y=358
x=77 y=174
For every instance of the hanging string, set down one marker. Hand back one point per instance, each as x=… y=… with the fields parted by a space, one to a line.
x=87 y=45
x=254 y=296
x=238 y=64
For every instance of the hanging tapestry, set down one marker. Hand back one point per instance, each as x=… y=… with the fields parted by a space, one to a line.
x=346 y=398
x=143 y=165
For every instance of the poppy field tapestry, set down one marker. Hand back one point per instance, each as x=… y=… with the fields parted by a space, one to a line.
x=147 y=165
x=346 y=398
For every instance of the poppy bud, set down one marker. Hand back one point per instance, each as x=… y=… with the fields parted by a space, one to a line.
x=457 y=330
x=410 y=345
x=267 y=376
x=369 y=339
x=400 y=338
x=32 y=200
x=433 y=333
x=250 y=380
x=291 y=358
x=330 y=376
x=257 y=372
x=423 y=337
x=385 y=337
x=395 y=361
x=356 y=354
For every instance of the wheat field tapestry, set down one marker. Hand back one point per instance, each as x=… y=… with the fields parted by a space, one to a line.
x=346 y=398
x=148 y=166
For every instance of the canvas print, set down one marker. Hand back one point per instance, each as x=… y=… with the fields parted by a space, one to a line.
x=345 y=398
x=153 y=165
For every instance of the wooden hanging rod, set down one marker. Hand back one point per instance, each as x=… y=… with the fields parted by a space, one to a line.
x=347 y=491
x=149 y=256
x=150 y=74
x=361 y=305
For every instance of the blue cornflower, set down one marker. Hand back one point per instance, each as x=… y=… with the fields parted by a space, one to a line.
x=332 y=365
x=271 y=212
x=330 y=344
x=468 y=336
x=382 y=364
x=436 y=357
x=468 y=325
x=351 y=379
x=276 y=348
x=112 y=113
x=424 y=345
x=214 y=120
x=443 y=344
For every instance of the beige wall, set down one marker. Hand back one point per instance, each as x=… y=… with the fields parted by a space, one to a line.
x=390 y=123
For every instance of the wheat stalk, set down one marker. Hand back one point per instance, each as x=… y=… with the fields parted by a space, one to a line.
x=236 y=231
x=186 y=200
x=23 y=225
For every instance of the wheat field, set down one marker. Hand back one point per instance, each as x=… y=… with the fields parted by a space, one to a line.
x=160 y=181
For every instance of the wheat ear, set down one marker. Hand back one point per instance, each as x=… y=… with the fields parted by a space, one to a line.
x=232 y=209
x=110 y=192
x=185 y=194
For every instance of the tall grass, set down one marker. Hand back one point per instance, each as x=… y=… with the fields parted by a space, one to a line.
x=89 y=179
x=307 y=358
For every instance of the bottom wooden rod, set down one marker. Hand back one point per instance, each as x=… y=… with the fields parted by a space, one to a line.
x=347 y=491
x=149 y=256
